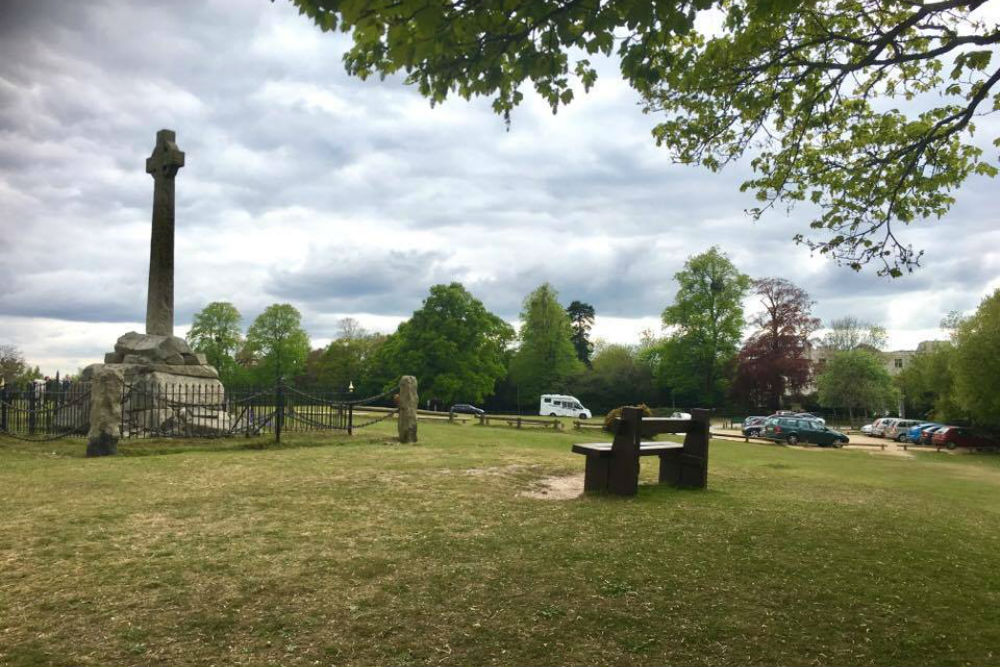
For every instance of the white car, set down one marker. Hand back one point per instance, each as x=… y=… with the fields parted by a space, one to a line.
x=879 y=426
x=866 y=429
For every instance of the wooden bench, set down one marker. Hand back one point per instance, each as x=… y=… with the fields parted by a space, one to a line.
x=614 y=466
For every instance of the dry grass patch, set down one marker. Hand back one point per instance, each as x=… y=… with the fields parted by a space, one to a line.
x=359 y=551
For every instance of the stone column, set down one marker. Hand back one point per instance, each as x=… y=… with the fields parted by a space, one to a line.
x=105 y=412
x=162 y=165
x=408 y=409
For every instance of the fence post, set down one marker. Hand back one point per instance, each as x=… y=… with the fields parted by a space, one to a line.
x=3 y=408
x=408 y=402
x=519 y=422
x=32 y=404
x=350 y=419
x=279 y=410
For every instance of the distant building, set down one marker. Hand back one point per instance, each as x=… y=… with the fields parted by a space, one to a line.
x=895 y=360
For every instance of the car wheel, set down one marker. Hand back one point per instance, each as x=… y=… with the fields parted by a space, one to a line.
x=552 y=414
x=900 y=438
x=583 y=416
x=792 y=439
x=950 y=445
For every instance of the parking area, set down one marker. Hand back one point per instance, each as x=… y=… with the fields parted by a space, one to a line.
x=857 y=440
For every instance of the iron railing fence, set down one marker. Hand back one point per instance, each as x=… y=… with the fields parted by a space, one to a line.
x=198 y=409
x=36 y=411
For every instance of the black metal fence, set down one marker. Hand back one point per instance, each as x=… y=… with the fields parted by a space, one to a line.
x=36 y=411
x=199 y=409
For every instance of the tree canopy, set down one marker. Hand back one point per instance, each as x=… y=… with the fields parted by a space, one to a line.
x=707 y=322
x=774 y=360
x=855 y=379
x=811 y=90
x=216 y=332
x=581 y=316
x=851 y=333
x=617 y=376
x=977 y=362
x=928 y=382
x=13 y=367
x=277 y=343
x=452 y=344
x=347 y=361
x=546 y=357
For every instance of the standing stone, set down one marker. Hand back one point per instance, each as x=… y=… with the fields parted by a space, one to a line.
x=162 y=165
x=105 y=412
x=408 y=409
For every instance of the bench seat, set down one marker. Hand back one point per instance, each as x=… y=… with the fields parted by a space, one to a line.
x=645 y=448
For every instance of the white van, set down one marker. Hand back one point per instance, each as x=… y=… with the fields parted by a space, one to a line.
x=560 y=405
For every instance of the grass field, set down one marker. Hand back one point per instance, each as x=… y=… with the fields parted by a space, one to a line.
x=335 y=551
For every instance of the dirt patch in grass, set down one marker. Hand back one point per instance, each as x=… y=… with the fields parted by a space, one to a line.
x=558 y=487
x=498 y=471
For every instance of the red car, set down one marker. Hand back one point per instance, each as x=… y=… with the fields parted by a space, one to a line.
x=959 y=436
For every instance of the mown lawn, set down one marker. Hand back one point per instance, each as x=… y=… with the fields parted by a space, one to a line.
x=362 y=551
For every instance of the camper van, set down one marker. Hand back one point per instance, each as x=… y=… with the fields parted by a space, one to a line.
x=560 y=405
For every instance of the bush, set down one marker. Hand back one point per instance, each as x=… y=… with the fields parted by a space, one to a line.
x=610 y=418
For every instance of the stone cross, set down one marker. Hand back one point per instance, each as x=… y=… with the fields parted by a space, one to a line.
x=162 y=165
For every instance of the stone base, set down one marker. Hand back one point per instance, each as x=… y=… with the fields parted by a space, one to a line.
x=102 y=445
x=166 y=387
x=105 y=412
x=137 y=348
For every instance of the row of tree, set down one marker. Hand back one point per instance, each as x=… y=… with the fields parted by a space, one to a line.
x=463 y=353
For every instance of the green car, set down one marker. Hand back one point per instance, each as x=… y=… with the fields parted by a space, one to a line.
x=794 y=430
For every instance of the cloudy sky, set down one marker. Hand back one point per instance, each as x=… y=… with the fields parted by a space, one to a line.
x=351 y=198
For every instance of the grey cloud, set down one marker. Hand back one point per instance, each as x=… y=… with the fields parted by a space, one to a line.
x=346 y=280
x=271 y=123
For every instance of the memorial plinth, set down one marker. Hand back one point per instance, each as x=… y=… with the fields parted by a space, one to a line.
x=127 y=387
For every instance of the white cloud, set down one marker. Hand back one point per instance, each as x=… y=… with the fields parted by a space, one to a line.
x=350 y=198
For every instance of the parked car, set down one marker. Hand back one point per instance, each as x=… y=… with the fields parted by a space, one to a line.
x=752 y=426
x=794 y=430
x=960 y=436
x=927 y=435
x=809 y=415
x=879 y=426
x=914 y=432
x=897 y=431
x=467 y=409
x=866 y=429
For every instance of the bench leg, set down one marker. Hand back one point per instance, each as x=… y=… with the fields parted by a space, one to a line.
x=623 y=475
x=683 y=470
x=595 y=477
x=694 y=472
x=670 y=468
